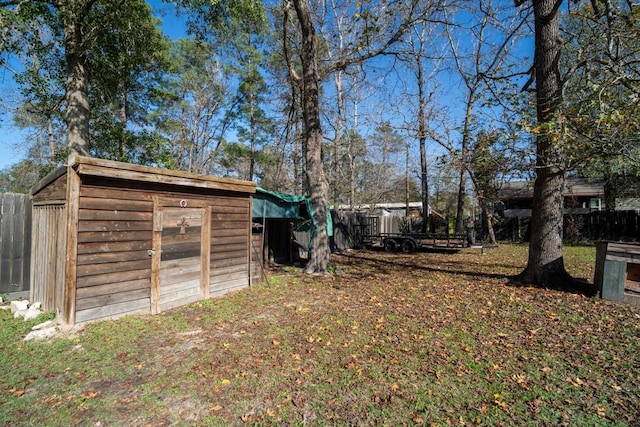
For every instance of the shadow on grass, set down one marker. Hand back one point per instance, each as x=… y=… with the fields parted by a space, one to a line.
x=572 y=285
x=421 y=267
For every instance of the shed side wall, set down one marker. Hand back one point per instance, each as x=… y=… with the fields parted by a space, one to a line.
x=113 y=265
x=48 y=256
x=230 y=240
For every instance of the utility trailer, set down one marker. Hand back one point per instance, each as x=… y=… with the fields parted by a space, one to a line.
x=411 y=242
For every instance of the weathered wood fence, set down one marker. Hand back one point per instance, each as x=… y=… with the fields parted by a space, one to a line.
x=15 y=244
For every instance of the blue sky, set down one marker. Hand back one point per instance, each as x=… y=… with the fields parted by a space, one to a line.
x=12 y=139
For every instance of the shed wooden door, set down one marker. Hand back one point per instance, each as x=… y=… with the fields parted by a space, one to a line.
x=180 y=257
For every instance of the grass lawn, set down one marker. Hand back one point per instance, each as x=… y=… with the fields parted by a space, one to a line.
x=388 y=339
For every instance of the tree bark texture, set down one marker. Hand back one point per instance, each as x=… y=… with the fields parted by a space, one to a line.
x=77 y=113
x=318 y=187
x=545 y=266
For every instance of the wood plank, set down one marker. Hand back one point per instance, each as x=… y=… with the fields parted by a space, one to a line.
x=624 y=248
x=623 y=257
x=218 y=278
x=111 y=226
x=221 y=263
x=114 y=192
x=228 y=232
x=229 y=247
x=95 y=203
x=178 y=277
x=229 y=270
x=228 y=209
x=108 y=257
x=112 y=298
x=109 y=288
x=163 y=176
x=225 y=286
x=205 y=252
x=111 y=311
x=226 y=225
x=112 y=267
x=173 y=216
x=114 y=236
x=184 y=287
x=6 y=233
x=73 y=203
x=108 y=247
x=114 y=277
x=234 y=239
x=218 y=203
x=189 y=234
x=226 y=255
x=178 y=302
x=180 y=251
x=114 y=215
x=156 y=245
x=225 y=216
x=193 y=264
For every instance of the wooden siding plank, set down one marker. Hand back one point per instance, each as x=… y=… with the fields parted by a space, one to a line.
x=234 y=239
x=241 y=219
x=107 y=247
x=7 y=212
x=160 y=176
x=110 y=257
x=229 y=247
x=224 y=224
x=223 y=287
x=226 y=255
x=218 y=278
x=113 y=236
x=192 y=263
x=229 y=262
x=96 y=203
x=111 y=288
x=104 y=279
x=217 y=233
x=114 y=192
x=178 y=302
x=112 y=267
x=114 y=226
x=112 y=311
x=170 y=278
x=205 y=252
x=114 y=215
x=112 y=298
x=156 y=246
x=189 y=287
x=70 y=283
x=232 y=269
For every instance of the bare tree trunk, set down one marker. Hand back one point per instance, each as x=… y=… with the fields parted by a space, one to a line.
x=422 y=138
x=464 y=159
x=320 y=253
x=77 y=114
x=545 y=266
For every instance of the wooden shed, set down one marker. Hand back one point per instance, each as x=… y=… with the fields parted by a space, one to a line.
x=617 y=272
x=111 y=239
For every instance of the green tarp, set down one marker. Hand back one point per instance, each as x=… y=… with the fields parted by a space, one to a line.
x=271 y=204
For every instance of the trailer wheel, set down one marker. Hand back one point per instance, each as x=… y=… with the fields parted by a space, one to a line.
x=409 y=246
x=390 y=245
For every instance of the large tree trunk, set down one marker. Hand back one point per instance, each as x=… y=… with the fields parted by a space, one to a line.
x=318 y=188
x=77 y=114
x=545 y=265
